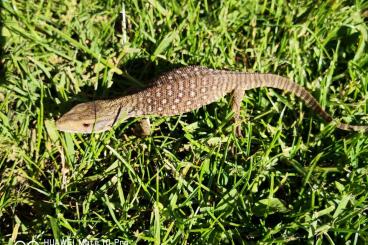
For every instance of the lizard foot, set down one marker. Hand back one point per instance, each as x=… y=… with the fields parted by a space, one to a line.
x=143 y=128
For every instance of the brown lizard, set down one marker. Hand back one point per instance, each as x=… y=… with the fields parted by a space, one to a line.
x=183 y=90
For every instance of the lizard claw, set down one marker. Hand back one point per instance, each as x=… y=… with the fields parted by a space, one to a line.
x=238 y=131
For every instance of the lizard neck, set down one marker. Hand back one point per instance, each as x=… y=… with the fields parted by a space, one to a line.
x=127 y=105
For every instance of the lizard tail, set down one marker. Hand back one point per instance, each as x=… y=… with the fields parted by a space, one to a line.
x=255 y=80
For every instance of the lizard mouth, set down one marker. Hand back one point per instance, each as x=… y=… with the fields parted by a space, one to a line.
x=64 y=126
x=72 y=126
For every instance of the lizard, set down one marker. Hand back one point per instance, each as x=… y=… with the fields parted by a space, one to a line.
x=182 y=90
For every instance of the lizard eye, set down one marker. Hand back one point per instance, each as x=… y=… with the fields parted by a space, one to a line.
x=86 y=125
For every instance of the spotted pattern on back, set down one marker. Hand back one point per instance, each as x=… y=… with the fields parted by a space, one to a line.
x=184 y=89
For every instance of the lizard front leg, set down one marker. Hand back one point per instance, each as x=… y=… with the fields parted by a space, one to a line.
x=237 y=97
x=143 y=128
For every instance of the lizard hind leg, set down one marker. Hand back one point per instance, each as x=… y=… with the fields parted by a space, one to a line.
x=237 y=98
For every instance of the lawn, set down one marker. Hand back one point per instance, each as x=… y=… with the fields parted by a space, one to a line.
x=291 y=178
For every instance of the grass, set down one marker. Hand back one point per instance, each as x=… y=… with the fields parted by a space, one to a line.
x=291 y=178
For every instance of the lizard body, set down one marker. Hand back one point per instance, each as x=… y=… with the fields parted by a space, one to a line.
x=183 y=90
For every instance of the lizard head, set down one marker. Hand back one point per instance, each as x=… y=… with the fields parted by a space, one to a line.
x=89 y=117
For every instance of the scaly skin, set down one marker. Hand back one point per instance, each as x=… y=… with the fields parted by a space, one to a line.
x=183 y=90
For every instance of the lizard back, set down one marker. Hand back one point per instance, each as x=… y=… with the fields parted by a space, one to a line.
x=183 y=90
